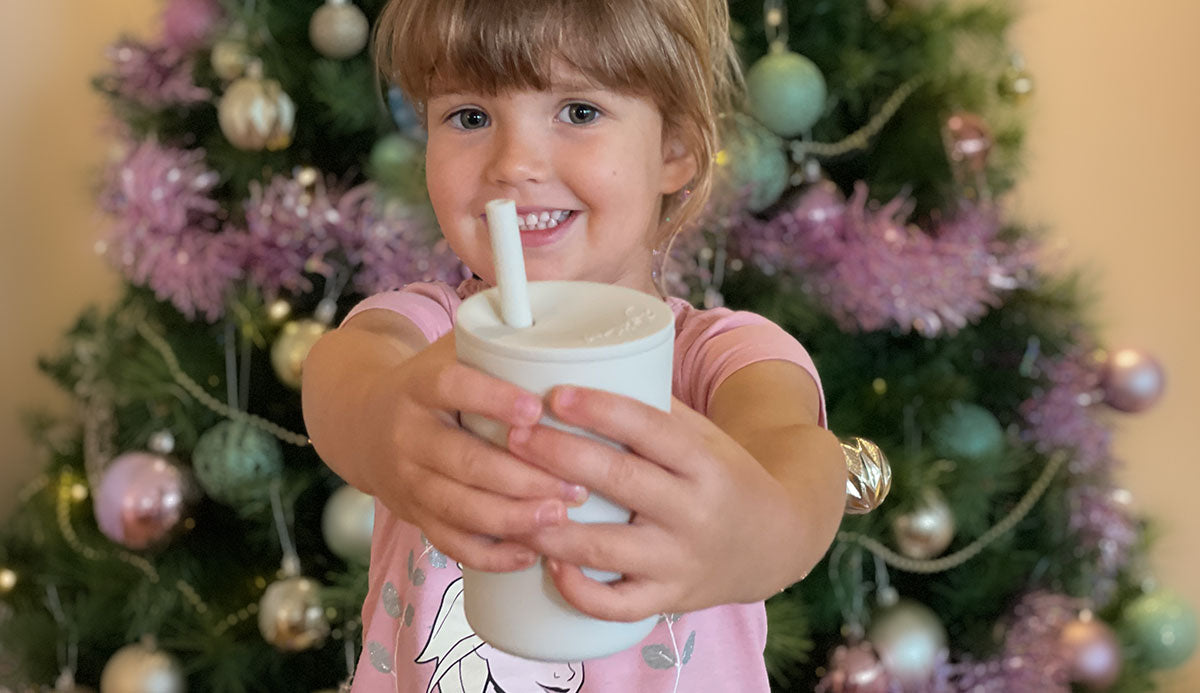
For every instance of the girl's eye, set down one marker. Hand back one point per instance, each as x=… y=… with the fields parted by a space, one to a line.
x=468 y=119
x=579 y=113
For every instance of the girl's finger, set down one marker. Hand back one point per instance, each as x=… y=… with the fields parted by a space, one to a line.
x=472 y=461
x=451 y=386
x=625 y=600
x=629 y=549
x=669 y=438
x=626 y=479
x=476 y=552
x=473 y=511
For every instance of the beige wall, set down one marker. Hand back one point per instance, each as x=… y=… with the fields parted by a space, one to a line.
x=1115 y=143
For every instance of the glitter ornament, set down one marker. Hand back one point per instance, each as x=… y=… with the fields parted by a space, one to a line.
x=967 y=432
x=235 y=462
x=338 y=29
x=142 y=668
x=143 y=499
x=1093 y=653
x=229 y=58
x=1133 y=380
x=869 y=475
x=855 y=669
x=968 y=142
x=910 y=639
x=927 y=530
x=256 y=114
x=756 y=165
x=1163 y=626
x=290 y=615
x=347 y=523
x=291 y=347
x=786 y=91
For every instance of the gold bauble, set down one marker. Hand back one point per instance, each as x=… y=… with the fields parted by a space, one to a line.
x=868 y=475
x=927 y=530
x=338 y=29
x=140 y=668
x=290 y=615
x=291 y=347
x=256 y=114
x=229 y=58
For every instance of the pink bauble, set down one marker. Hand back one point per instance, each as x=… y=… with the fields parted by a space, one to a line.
x=856 y=669
x=1093 y=653
x=1133 y=380
x=968 y=141
x=142 y=498
x=187 y=24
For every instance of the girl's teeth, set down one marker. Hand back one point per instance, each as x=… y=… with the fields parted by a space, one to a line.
x=542 y=221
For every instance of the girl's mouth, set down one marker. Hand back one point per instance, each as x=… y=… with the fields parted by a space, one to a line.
x=540 y=233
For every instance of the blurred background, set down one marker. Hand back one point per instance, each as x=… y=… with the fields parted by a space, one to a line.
x=1113 y=160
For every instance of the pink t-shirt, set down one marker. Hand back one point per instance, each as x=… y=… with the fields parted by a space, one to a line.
x=415 y=636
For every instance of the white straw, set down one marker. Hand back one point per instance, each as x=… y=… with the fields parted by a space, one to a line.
x=509 y=262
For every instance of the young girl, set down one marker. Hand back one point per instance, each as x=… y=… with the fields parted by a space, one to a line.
x=600 y=120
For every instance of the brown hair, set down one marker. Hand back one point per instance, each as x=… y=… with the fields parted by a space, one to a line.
x=675 y=52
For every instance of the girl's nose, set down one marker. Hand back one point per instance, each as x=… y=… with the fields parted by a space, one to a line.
x=517 y=156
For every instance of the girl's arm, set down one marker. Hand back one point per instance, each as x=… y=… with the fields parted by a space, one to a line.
x=771 y=409
x=338 y=375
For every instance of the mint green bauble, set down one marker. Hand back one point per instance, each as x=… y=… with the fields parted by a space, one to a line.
x=236 y=462
x=1163 y=626
x=787 y=92
x=968 y=432
x=756 y=163
x=398 y=163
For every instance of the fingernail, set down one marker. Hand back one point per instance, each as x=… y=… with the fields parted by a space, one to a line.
x=529 y=409
x=550 y=514
x=518 y=436
x=553 y=565
x=574 y=493
x=565 y=396
x=526 y=558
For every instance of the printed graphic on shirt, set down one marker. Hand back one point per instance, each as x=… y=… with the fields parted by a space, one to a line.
x=466 y=664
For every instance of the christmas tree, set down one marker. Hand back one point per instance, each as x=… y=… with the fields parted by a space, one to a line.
x=185 y=532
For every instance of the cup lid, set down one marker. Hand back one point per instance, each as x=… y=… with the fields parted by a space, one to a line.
x=572 y=321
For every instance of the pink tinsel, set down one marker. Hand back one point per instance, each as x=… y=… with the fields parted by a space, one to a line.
x=153 y=76
x=1061 y=415
x=875 y=271
x=187 y=24
x=1105 y=528
x=392 y=244
x=166 y=227
x=290 y=231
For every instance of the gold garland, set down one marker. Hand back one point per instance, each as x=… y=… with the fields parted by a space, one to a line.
x=861 y=138
x=938 y=565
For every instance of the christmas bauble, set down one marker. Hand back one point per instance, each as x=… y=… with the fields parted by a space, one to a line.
x=1164 y=628
x=909 y=638
x=399 y=163
x=968 y=141
x=338 y=29
x=140 y=668
x=256 y=114
x=786 y=92
x=1093 y=653
x=347 y=523
x=1133 y=380
x=856 y=669
x=756 y=163
x=925 y=531
x=290 y=615
x=229 y=58
x=1016 y=83
x=8 y=580
x=142 y=499
x=868 y=475
x=235 y=462
x=967 y=432
x=291 y=347
x=187 y=24
x=405 y=116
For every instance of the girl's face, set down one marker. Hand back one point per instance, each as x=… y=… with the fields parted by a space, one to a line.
x=586 y=166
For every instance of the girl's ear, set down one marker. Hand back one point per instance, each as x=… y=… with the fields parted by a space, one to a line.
x=679 y=164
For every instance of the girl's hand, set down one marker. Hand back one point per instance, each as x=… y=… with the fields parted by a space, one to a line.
x=469 y=497
x=707 y=515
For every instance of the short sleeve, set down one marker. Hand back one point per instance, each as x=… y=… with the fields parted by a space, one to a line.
x=429 y=305
x=712 y=345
